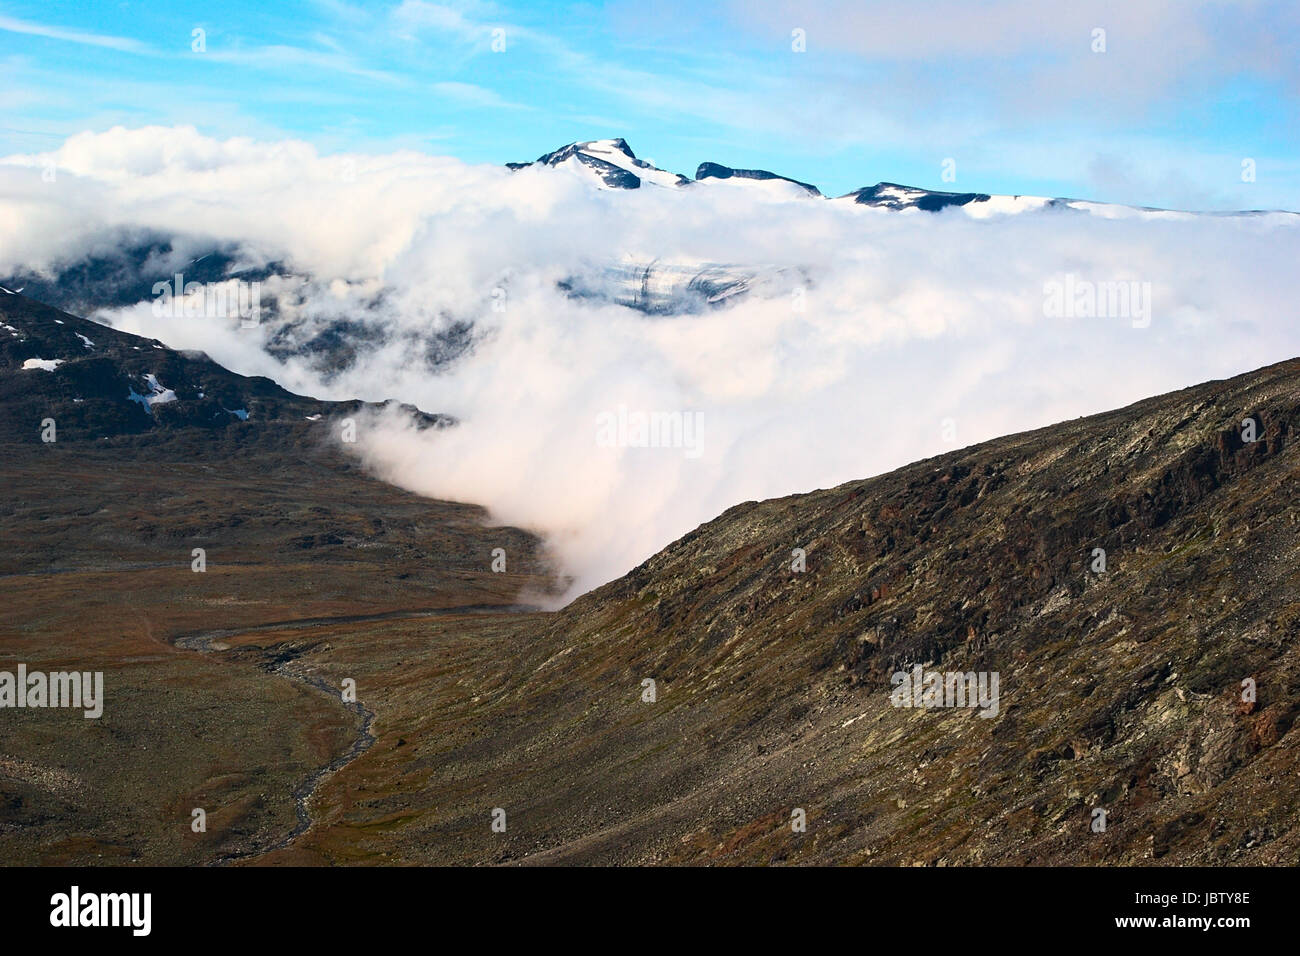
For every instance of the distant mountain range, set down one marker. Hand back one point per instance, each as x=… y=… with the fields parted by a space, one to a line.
x=610 y=163
x=129 y=263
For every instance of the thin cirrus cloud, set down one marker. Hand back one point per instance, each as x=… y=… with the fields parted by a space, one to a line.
x=887 y=90
x=280 y=56
x=285 y=57
x=412 y=17
x=471 y=95
x=29 y=28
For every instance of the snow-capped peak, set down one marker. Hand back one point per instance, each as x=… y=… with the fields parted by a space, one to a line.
x=605 y=146
x=610 y=161
x=716 y=171
x=611 y=164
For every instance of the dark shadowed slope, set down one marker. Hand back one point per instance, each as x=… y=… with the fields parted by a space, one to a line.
x=95 y=383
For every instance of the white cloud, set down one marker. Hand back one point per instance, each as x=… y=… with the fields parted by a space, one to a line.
x=412 y=17
x=1036 y=55
x=911 y=320
x=470 y=94
x=286 y=57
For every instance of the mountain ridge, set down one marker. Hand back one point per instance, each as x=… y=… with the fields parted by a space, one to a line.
x=595 y=155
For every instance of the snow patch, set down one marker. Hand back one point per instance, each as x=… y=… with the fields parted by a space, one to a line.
x=45 y=365
x=158 y=394
x=1004 y=206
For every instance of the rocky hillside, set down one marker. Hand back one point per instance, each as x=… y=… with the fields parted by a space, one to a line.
x=1121 y=696
x=95 y=382
x=1129 y=580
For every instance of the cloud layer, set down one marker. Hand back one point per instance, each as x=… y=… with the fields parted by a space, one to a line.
x=900 y=335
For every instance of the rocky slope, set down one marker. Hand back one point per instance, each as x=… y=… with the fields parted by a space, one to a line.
x=95 y=382
x=1121 y=689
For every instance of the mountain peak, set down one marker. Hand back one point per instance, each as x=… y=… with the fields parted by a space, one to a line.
x=718 y=171
x=619 y=144
x=611 y=160
x=591 y=147
x=897 y=196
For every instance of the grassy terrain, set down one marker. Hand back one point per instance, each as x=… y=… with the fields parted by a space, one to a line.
x=96 y=575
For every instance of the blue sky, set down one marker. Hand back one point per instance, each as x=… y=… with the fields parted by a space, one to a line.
x=1012 y=91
